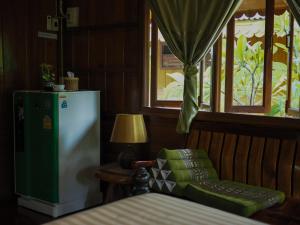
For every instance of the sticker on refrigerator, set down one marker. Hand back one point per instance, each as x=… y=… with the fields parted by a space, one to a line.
x=47 y=122
x=64 y=104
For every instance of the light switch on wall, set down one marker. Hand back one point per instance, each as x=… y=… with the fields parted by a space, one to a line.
x=52 y=23
x=73 y=17
x=49 y=23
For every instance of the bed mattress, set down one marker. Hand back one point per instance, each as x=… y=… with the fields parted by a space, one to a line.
x=150 y=209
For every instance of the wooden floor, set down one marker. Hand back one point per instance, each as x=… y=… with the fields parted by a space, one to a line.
x=10 y=214
x=286 y=214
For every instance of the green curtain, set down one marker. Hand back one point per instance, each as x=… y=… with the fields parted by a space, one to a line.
x=190 y=28
x=295 y=8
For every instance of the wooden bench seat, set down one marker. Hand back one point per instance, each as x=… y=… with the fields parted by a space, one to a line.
x=258 y=156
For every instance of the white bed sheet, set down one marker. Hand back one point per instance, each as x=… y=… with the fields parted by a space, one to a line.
x=153 y=209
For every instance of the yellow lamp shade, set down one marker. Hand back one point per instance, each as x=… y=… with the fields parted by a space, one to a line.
x=129 y=128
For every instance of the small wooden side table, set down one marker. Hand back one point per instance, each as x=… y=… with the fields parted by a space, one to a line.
x=119 y=181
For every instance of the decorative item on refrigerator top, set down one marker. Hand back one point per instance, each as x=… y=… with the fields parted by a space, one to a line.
x=71 y=82
x=47 y=76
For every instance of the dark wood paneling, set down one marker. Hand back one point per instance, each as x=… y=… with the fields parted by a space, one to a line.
x=133 y=101
x=115 y=92
x=192 y=140
x=228 y=156
x=6 y=171
x=296 y=173
x=162 y=134
x=131 y=53
x=269 y=174
x=255 y=161
x=285 y=166
x=215 y=151
x=115 y=45
x=22 y=51
x=98 y=49
x=204 y=141
x=260 y=161
x=241 y=158
x=80 y=51
x=94 y=13
x=104 y=52
x=113 y=55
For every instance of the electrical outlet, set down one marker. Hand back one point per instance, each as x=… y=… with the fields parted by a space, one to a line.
x=73 y=17
x=55 y=24
x=49 y=23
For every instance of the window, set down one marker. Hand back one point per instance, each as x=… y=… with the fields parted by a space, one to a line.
x=205 y=82
x=254 y=67
x=165 y=75
x=245 y=90
x=293 y=101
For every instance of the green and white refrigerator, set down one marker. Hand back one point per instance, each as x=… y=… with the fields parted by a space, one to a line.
x=57 y=150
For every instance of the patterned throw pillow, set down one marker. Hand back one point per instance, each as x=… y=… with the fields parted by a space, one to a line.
x=182 y=154
x=175 y=169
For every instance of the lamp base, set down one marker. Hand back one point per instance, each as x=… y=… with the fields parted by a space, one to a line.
x=126 y=157
x=141 y=180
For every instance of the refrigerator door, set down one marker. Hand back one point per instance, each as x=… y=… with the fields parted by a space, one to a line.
x=22 y=160
x=79 y=147
x=37 y=163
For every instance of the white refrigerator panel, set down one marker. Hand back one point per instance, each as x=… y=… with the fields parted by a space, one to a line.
x=79 y=147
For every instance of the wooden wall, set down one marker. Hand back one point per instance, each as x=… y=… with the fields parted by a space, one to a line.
x=105 y=52
x=21 y=52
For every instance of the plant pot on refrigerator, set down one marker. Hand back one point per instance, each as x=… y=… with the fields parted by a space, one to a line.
x=47 y=85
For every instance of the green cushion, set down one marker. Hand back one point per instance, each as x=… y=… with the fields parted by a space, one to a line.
x=190 y=173
x=194 y=174
x=174 y=169
x=233 y=197
x=181 y=154
x=181 y=164
x=169 y=187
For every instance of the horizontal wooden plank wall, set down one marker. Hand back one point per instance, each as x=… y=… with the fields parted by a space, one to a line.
x=105 y=52
x=270 y=161
x=21 y=52
x=296 y=173
x=162 y=134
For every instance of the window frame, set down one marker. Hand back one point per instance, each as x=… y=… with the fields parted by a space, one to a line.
x=202 y=105
x=154 y=65
x=268 y=59
x=151 y=91
x=289 y=110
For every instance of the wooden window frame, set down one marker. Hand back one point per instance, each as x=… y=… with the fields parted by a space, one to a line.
x=154 y=65
x=216 y=79
x=289 y=110
x=150 y=90
x=268 y=58
x=203 y=105
x=215 y=90
x=146 y=58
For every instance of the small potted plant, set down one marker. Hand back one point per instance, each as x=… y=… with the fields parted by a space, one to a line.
x=47 y=75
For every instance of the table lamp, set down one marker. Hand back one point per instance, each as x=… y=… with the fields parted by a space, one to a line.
x=128 y=129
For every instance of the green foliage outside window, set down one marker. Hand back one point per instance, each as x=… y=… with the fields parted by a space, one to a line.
x=248 y=73
x=174 y=90
x=296 y=70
